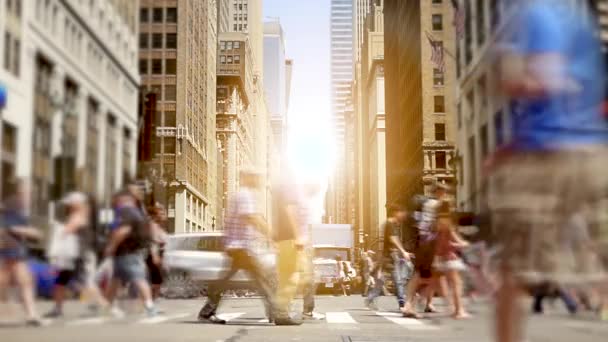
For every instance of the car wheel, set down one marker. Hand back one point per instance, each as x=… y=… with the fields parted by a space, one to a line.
x=179 y=285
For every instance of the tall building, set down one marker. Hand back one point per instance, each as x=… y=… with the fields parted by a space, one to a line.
x=71 y=119
x=482 y=120
x=246 y=16
x=181 y=76
x=341 y=40
x=420 y=97
x=235 y=111
x=369 y=111
x=276 y=84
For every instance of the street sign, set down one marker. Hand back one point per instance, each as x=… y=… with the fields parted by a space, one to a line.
x=3 y=96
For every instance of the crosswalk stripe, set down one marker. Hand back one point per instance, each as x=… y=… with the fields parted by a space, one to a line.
x=409 y=323
x=339 y=318
x=162 y=318
x=88 y=321
x=230 y=316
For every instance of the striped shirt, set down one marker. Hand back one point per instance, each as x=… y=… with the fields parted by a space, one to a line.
x=238 y=233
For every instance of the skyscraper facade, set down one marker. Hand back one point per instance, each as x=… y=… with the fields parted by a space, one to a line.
x=341 y=40
x=181 y=77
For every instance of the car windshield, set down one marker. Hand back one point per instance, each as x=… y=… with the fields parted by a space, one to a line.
x=331 y=253
x=196 y=243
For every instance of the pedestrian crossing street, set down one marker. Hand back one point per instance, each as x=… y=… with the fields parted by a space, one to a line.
x=339 y=319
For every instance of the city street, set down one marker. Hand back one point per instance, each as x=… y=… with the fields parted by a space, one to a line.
x=347 y=321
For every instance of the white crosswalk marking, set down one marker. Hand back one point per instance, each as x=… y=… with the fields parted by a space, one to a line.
x=89 y=321
x=339 y=318
x=408 y=323
x=230 y=316
x=162 y=318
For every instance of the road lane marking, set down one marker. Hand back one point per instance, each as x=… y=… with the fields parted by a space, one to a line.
x=339 y=318
x=408 y=323
x=88 y=321
x=162 y=318
x=230 y=316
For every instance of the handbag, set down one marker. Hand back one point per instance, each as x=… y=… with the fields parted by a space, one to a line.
x=64 y=248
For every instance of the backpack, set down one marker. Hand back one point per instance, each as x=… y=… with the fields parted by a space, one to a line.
x=141 y=229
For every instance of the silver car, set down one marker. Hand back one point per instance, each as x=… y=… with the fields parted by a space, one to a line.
x=194 y=260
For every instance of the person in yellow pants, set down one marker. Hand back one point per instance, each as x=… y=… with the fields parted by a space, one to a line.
x=289 y=250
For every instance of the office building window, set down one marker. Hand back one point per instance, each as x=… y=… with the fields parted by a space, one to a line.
x=440 y=160
x=157 y=67
x=438 y=77
x=437 y=22
x=440 y=132
x=170 y=66
x=237 y=45
x=222 y=59
x=439 y=104
x=171 y=15
x=157 y=15
x=229 y=60
x=170 y=93
x=7 y=51
x=235 y=27
x=144 y=41
x=237 y=59
x=171 y=42
x=170 y=119
x=222 y=45
x=157 y=40
x=229 y=45
x=144 y=15
x=143 y=66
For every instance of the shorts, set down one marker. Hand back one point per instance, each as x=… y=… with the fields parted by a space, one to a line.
x=532 y=197
x=129 y=268
x=64 y=277
x=155 y=273
x=424 y=257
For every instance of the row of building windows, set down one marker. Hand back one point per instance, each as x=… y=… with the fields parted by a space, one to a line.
x=170 y=93
x=155 y=66
x=158 y=15
x=155 y=40
x=13 y=7
x=236 y=59
x=239 y=27
x=229 y=45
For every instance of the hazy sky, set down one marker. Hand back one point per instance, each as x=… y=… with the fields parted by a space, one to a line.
x=306 y=27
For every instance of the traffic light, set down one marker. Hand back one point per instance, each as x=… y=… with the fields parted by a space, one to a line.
x=146 y=133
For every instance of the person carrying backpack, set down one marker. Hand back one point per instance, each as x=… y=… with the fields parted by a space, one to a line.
x=131 y=236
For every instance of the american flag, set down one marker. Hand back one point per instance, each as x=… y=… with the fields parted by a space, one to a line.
x=437 y=53
x=459 y=19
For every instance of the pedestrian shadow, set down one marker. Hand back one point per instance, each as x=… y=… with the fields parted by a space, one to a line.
x=11 y=324
x=252 y=322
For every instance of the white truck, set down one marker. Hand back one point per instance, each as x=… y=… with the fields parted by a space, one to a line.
x=330 y=242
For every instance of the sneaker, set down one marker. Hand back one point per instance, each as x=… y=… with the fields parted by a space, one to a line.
x=36 y=322
x=211 y=319
x=370 y=304
x=55 y=313
x=116 y=312
x=152 y=311
x=315 y=316
x=286 y=321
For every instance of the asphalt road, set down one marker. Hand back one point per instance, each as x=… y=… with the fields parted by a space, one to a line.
x=347 y=321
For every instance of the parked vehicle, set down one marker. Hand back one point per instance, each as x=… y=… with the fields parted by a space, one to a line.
x=194 y=260
x=329 y=242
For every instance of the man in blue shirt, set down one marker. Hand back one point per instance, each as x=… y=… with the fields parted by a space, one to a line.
x=551 y=69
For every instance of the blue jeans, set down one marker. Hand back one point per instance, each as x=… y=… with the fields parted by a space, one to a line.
x=400 y=273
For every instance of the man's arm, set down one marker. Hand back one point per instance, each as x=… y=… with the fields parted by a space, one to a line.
x=26 y=232
x=397 y=243
x=117 y=237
